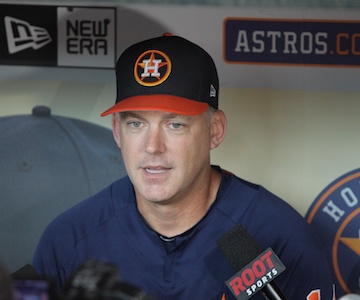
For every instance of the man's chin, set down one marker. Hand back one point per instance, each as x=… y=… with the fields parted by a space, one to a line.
x=155 y=195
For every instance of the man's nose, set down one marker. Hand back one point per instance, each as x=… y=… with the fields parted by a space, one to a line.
x=155 y=141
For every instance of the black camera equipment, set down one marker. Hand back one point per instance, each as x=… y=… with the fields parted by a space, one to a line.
x=97 y=280
x=94 y=280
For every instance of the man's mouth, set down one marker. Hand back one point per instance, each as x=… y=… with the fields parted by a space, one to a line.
x=155 y=170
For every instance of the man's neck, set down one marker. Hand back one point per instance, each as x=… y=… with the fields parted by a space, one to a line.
x=174 y=218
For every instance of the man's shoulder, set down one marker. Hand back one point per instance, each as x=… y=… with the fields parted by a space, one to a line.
x=243 y=200
x=86 y=221
x=248 y=192
x=96 y=209
x=238 y=190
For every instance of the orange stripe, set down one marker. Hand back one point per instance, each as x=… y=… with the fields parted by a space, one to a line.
x=326 y=195
x=335 y=248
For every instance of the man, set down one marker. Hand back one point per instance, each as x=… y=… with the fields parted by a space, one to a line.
x=160 y=225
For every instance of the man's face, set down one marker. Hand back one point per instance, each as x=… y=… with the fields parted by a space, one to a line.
x=167 y=156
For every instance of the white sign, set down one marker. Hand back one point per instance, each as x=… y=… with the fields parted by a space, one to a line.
x=86 y=37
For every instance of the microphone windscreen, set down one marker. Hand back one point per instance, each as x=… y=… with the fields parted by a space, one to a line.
x=25 y=272
x=239 y=247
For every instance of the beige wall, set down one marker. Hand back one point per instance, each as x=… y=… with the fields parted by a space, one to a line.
x=292 y=142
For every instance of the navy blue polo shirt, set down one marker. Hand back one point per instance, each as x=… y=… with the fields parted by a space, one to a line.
x=109 y=227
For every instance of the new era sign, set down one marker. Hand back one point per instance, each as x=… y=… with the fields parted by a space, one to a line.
x=65 y=36
x=21 y=35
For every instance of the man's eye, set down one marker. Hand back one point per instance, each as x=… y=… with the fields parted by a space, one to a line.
x=135 y=124
x=176 y=125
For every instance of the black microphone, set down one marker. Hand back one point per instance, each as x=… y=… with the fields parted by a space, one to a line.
x=256 y=268
x=26 y=283
x=25 y=272
x=5 y=284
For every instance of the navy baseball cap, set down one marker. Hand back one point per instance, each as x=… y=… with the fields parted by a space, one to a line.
x=167 y=73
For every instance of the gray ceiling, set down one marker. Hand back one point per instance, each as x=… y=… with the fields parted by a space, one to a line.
x=262 y=3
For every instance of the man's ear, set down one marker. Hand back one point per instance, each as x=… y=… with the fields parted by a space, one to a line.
x=115 y=122
x=218 y=128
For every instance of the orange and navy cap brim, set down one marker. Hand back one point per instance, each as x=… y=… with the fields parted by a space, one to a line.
x=167 y=103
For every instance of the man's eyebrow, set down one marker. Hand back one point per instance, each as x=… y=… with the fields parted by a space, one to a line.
x=129 y=114
x=168 y=116
x=173 y=116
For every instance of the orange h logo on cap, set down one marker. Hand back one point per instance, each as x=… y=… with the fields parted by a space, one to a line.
x=152 y=68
